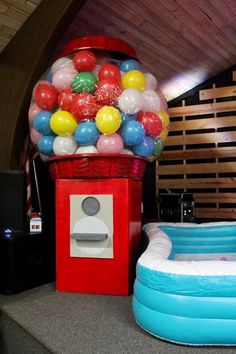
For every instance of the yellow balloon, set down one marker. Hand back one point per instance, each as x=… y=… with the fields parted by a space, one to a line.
x=63 y=123
x=164 y=133
x=165 y=119
x=108 y=120
x=134 y=79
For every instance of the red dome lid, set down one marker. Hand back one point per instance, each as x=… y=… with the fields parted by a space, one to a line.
x=99 y=42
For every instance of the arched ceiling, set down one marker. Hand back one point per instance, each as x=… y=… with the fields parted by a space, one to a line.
x=182 y=42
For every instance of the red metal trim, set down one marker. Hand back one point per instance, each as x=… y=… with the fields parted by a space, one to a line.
x=99 y=42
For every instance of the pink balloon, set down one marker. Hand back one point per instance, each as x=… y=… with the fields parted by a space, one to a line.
x=34 y=136
x=151 y=101
x=63 y=77
x=112 y=144
x=33 y=110
x=151 y=81
x=164 y=104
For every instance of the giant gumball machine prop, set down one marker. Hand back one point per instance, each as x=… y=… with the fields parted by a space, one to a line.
x=96 y=118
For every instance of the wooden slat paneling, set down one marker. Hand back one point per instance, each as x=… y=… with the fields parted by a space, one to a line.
x=224 y=167
x=215 y=198
x=198 y=153
x=202 y=138
x=212 y=213
x=204 y=123
x=229 y=91
x=196 y=183
x=210 y=165
x=203 y=109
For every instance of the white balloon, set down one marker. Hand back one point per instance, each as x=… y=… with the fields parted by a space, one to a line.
x=151 y=81
x=60 y=63
x=89 y=149
x=151 y=101
x=64 y=145
x=43 y=157
x=96 y=70
x=127 y=151
x=130 y=101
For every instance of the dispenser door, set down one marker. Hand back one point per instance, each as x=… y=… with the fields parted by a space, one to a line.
x=91 y=226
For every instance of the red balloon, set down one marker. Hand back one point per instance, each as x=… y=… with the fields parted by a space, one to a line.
x=151 y=122
x=46 y=97
x=65 y=99
x=108 y=91
x=109 y=71
x=84 y=60
x=84 y=106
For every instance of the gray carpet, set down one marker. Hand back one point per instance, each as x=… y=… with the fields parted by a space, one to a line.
x=41 y=321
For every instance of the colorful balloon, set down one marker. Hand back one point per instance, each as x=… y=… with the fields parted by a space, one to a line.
x=134 y=79
x=158 y=147
x=164 y=134
x=109 y=71
x=84 y=106
x=46 y=97
x=165 y=119
x=146 y=148
x=132 y=133
x=65 y=99
x=84 y=82
x=33 y=110
x=63 y=123
x=64 y=145
x=41 y=123
x=46 y=82
x=111 y=144
x=61 y=63
x=127 y=117
x=89 y=149
x=151 y=101
x=63 y=77
x=151 y=81
x=164 y=105
x=84 y=60
x=130 y=101
x=34 y=136
x=86 y=133
x=45 y=145
x=127 y=152
x=151 y=122
x=129 y=64
x=108 y=91
x=108 y=120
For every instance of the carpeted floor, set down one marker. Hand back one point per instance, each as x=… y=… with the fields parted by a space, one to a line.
x=70 y=323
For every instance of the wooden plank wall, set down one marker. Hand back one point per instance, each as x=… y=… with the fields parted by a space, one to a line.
x=200 y=152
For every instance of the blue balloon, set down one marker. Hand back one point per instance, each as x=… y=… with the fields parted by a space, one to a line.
x=86 y=133
x=132 y=133
x=127 y=117
x=45 y=145
x=48 y=75
x=41 y=123
x=146 y=148
x=129 y=64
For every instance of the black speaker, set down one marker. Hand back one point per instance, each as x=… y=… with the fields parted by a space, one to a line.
x=13 y=200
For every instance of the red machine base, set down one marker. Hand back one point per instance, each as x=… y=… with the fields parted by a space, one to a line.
x=112 y=270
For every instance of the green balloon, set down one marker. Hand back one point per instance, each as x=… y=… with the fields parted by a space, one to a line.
x=158 y=147
x=85 y=81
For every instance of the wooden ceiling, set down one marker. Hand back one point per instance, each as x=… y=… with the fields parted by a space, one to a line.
x=182 y=42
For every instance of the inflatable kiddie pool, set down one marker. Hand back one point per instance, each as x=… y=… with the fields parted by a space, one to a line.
x=185 y=288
